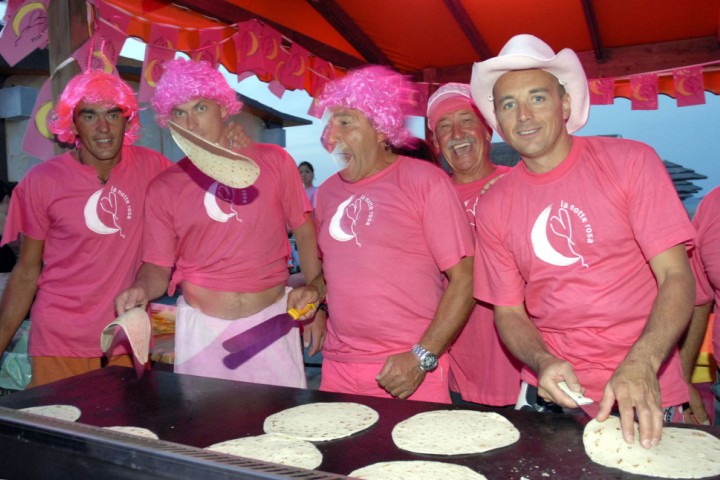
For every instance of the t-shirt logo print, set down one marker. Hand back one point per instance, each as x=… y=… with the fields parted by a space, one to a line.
x=471 y=211
x=561 y=226
x=212 y=207
x=344 y=222
x=108 y=204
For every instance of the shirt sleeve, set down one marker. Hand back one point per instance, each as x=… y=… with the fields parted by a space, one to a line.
x=28 y=212
x=160 y=241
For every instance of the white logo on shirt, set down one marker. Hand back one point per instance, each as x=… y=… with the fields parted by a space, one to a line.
x=471 y=211
x=349 y=216
x=218 y=191
x=109 y=203
x=561 y=226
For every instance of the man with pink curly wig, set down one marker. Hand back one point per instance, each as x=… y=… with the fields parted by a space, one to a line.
x=79 y=216
x=227 y=249
x=390 y=229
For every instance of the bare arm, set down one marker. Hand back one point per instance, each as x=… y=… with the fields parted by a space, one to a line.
x=21 y=288
x=689 y=350
x=401 y=374
x=150 y=283
x=634 y=385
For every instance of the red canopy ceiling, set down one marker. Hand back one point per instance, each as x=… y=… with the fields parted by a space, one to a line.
x=437 y=41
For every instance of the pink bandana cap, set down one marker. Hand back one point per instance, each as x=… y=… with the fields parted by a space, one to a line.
x=381 y=94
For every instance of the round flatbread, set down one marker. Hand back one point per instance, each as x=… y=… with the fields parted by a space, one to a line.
x=138 y=431
x=416 y=470
x=681 y=453
x=273 y=448
x=318 y=422
x=61 y=412
x=454 y=432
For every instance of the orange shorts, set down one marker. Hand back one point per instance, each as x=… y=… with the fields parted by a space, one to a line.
x=51 y=369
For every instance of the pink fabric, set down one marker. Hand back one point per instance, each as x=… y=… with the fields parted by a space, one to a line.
x=705 y=259
x=199 y=350
x=481 y=368
x=385 y=242
x=359 y=379
x=222 y=238
x=92 y=236
x=608 y=208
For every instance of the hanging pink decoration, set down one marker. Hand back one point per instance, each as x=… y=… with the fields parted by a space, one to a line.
x=689 y=86
x=644 y=91
x=26 y=28
x=161 y=48
x=602 y=91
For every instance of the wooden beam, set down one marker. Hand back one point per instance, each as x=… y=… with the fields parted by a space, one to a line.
x=230 y=13
x=346 y=26
x=68 y=30
x=462 y=18
x=594 y=29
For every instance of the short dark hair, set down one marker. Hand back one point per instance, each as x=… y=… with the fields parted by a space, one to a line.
x=307 y=164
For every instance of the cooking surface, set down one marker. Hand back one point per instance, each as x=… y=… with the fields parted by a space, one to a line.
x=199 y=412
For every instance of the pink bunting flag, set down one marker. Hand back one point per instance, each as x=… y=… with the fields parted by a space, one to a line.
x=247 y=48
x=113 y=17
x=689 y=86
x=295 y=69
x=644 y=91
x=38 y=141
x=161 y=48
x=26 y=28
x=602 y=91
x=314 y=110
x=271 y=50
x=101 y=52
x=210 y=45
x=321 y=72
x=417 y=99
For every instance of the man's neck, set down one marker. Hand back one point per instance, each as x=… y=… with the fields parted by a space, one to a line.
x=545 y=163
x=485 y=170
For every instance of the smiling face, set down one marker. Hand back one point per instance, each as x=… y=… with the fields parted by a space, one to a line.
x=201 y=116
x=531 y=109
x=464 y=141
x=355 y=144
x=100 y=132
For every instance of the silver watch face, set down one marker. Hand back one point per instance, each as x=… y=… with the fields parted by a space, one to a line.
x=429 y=362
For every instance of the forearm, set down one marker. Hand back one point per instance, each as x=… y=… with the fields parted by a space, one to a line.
x=453 y=309
x=310 y=266
x=692 y=340
x=153 y=280
x=16 y=302
x=521 y=337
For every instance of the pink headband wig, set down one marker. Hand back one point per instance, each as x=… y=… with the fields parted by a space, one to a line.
x=94 y=86
x=183 y=80
x=381 y=94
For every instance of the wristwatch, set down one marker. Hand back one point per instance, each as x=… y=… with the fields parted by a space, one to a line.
x=428 y=360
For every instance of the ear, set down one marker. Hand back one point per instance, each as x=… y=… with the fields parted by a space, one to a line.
x=566 y=106
x=223 y=111
x=381 y=137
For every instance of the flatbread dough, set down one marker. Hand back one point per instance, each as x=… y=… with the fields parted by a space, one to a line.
x=138 y=431
x=318 y=422
x=273 y=448
x=681 y=453
x=454 y=432
x=69 y=413
x=416 y=470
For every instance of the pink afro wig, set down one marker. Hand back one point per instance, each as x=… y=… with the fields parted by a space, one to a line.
x=94 y=86
x=183 y=80
x=381 y=94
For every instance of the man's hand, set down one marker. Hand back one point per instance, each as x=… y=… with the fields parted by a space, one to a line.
x=299 y=298
x=552 y=372
x=236 y=137
x=635 y=387
x=401 y=375
x=131 y=298
x=315 y=332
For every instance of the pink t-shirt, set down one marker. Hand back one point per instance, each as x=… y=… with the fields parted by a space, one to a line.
x=220 y=238
x=574 y=245
x=481 y=368
x=705 y=258
x=92 y=236
x=385 y=242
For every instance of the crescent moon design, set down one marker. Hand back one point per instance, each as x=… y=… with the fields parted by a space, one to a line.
x=637 y=95
x=541 y=243
x=254 y=44
x=41 y=120
x=681 y=88
x=300 y=70
x=211 y=206
x=148 y=73
x=92 y=220
x=335 y=229
x=594 y=87
x=274 y=50
x=22 y=12
x=107 y=66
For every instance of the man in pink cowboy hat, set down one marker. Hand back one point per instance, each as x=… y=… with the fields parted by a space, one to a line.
x=481 y=369
x=581 y=247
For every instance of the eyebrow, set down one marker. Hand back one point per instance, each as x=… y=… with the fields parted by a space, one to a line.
x=90 y=110
x=532 y=91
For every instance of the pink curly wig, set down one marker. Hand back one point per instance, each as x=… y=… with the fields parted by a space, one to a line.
x=183 y=80
x=382 y=95
x=94 y=86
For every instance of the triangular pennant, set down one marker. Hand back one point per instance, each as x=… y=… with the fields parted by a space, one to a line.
x=689 y=86
x=26 y=28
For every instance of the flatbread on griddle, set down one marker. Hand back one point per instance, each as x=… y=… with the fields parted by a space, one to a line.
x=69 y=413
x=273 y=448
x=137 y=431
x=416 y=470
x=454 y=432
x=681 y=453
x=317 y=422
x=223 y=165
